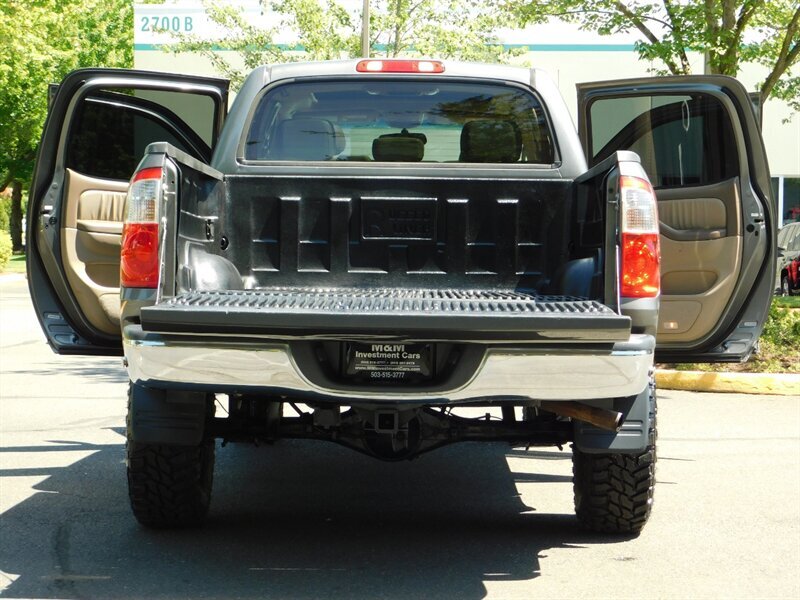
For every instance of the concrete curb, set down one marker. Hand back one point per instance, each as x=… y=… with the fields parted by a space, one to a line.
x=13 y=276
x=780 y=384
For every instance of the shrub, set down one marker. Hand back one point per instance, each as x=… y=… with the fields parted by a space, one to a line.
x=782 y=327
x=5 y=249
x=778 y=348
x=5 y=213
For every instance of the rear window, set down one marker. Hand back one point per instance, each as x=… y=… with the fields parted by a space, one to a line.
x=399 y=121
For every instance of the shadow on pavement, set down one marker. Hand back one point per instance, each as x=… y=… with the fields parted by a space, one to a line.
x=83 y=369
x=295 y=520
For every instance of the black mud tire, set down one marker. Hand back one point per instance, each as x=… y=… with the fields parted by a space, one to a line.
x=170 y=486
x=614 y=492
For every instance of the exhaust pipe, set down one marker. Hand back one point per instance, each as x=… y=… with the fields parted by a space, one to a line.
x=603 y=418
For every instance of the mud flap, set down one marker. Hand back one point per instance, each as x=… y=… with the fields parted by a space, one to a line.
x=166 y=417
x=632 y=438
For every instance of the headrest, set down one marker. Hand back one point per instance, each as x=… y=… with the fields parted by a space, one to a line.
x=306 y=138
x=408 y=134
x=399 y=147
x=490 y=141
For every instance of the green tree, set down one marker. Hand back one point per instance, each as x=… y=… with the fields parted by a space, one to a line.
x=326 y=30
x=42 y=41
x=727 y=32
x=252 y=43
x=461 y=29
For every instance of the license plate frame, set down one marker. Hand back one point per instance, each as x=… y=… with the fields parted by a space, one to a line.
x=389 y=363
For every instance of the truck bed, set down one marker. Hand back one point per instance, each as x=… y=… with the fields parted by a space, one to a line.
x=389 y=232
x=427 y=258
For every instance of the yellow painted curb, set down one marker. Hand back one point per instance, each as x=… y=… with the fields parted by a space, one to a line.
x=780 y=384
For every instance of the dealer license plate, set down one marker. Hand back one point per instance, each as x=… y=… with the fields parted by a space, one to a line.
x=389 y=363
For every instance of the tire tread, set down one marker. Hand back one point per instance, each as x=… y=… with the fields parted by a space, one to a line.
x=170 y=486
x=614 y=491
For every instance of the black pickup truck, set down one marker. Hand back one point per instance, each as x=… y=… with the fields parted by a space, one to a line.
x=365 y=248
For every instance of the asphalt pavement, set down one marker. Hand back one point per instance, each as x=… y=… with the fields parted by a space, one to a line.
x=309 y=520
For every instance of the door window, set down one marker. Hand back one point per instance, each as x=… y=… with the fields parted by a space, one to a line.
x=111 y=131
x=682 y=140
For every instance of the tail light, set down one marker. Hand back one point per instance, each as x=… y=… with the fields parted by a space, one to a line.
x=640 y=262
x=139 y=254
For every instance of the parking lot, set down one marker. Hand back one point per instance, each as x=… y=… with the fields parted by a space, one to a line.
x=309 y=520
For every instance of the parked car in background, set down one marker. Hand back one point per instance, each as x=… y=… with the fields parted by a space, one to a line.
x=788 y=273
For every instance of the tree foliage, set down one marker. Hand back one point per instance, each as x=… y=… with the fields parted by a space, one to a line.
x=727 y=32
x=778 y=26
x=326 y=30
x=251 y=42
x=462 y=29
x=42 y=41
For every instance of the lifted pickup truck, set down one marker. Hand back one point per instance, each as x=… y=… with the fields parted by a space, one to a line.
x=367 y=246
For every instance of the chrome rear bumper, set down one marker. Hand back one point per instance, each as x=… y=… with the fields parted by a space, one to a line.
x=216 y=365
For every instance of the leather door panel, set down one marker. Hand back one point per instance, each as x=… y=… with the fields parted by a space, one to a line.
x=701 y=247
x=91 y=234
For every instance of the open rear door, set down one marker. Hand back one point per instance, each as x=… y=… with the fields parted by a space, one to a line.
x=700 y=144
x=99 y=123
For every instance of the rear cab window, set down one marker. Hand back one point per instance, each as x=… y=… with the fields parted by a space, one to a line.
x=399 y=121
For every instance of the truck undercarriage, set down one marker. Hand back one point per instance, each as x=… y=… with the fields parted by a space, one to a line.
x=403 y=433
x=170 y=483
